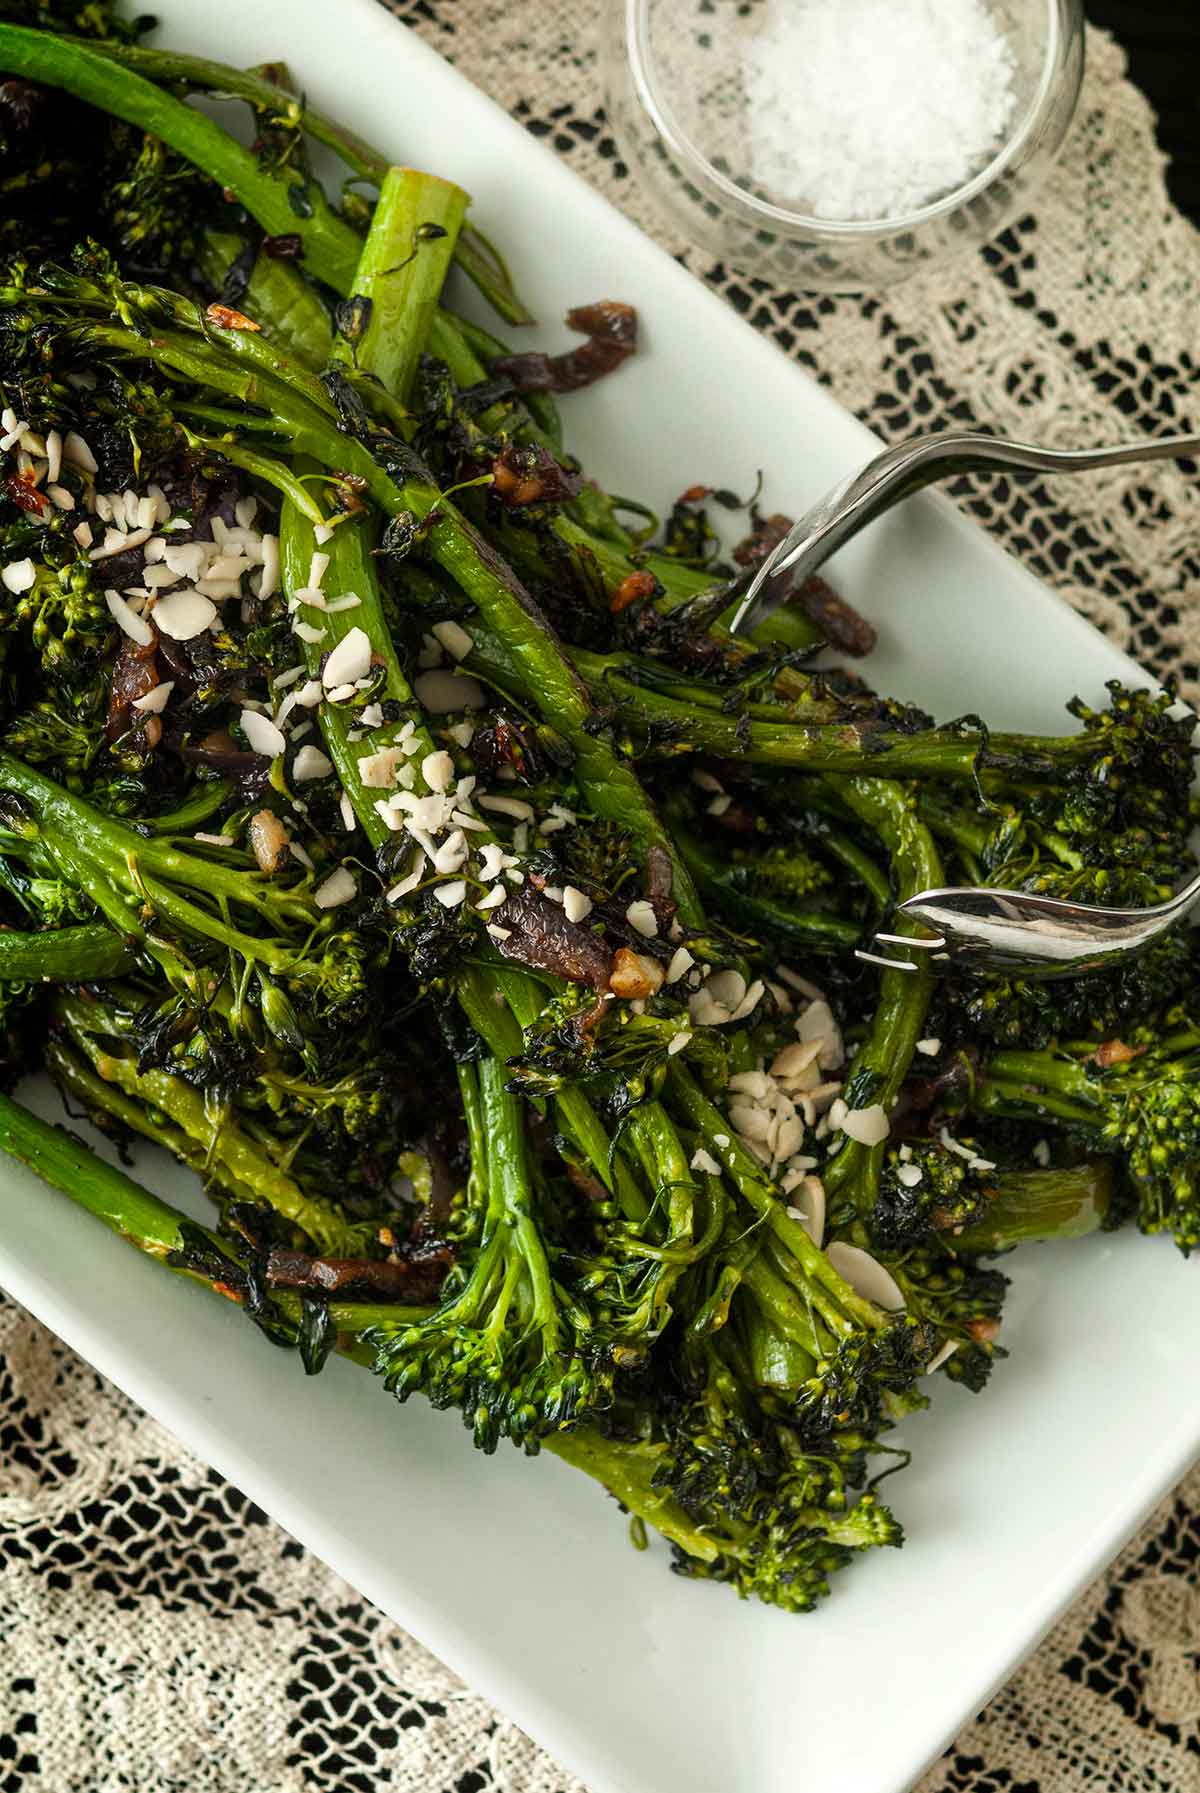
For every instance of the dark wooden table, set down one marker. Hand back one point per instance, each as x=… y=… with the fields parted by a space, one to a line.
x=1162 y=38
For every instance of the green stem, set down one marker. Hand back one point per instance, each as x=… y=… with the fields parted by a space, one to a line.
x=653 y=1137
x=882 y=1061
x=450 y=341
x=63 y=955
x=500 y=1027
x=351 y=570
x=716 y=1212
x=628 y=1472
x=288 y=308
x=195 y=332
x=478 y=257
x=134 y=1214
x=277 y=296
x=549 y=680
x=105 y=1102
x=197 y=922
x=764 y=1201
x=478 y=348
x=787 y=628
x=400 y=276
x=811 y=703
x=67 y=1164
x=1022 y=1100
x=718 y=879
x=781 y=1317
x=1046 y=1070
x=969 y=833
x=385 y=409
x=281 y=204
x=401 y=272
x=859 y=863
x=269 y=468
x=201 y=75
x=75 y=831
x=204 y=803
x=486 y=268
x=1043 y=1204
x=468 y=1089
x=671 y=728
x=510 y=1181
x=217 y=1148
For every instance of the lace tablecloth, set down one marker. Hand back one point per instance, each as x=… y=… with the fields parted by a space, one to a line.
x=157 y=1633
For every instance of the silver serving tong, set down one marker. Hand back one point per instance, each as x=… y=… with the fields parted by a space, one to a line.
x=899 y=472
x=972 y=929
x=978 y=929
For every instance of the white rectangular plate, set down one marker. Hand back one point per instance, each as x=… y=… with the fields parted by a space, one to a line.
x=519 y=1574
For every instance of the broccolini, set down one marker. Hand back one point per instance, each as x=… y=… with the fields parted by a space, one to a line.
x=391 y=829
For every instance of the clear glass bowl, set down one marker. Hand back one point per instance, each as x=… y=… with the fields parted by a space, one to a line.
x=674 y=91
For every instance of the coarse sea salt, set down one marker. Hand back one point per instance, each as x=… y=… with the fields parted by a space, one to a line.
x=875 y=109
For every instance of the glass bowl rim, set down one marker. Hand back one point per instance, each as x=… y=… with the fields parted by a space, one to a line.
x=790 y=223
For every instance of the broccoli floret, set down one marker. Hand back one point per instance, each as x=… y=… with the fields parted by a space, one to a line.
x=43 y=736
x=960 y=1298
x=1140 y=750
x=197 y=905
x=939 y=1212
x=1137 y=1097
x=926 y=1192
x=1114 y=828
x=505 y=1345
x=65 y=620
x=779 y=1551
x=783 y=1551
x=1006 y=1011
x=153 y=210
x=783 y=872
x=736 y=1489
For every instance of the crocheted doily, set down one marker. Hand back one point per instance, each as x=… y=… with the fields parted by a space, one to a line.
x=157 y=1632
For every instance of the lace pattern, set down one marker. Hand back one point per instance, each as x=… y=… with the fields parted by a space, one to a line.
x=157 y=1632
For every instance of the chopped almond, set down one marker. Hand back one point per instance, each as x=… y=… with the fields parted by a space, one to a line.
x=225 y=318
x=631 y=588
x=634 y=975
x=1116 y=1052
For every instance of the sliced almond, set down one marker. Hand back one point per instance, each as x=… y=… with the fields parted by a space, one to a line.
x=440 y=691
x=868 y=1126
x=128 y=620
x=817 y=1023
x=751 y=1121
x=940 y=1357
x=155 y=700
x=866 y=1276
x=808 y=1198
x=338 y=888
x=262 y=733
x=727 y=988
x=349 y=660
x=184 y=614
x=795 y=1059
